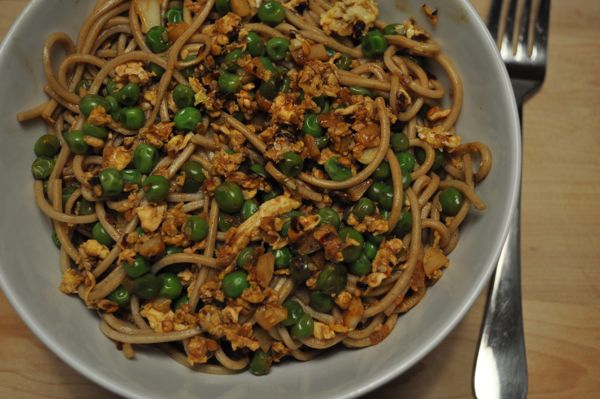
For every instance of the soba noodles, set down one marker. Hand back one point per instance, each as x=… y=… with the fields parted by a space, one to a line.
x=239 y=182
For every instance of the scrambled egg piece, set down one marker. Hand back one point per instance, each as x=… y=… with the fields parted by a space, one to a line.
x=99 y=117
x=151 y=216
x=200 y=95
x=200 y=349
x=157 y=134
x=116 y=157
x=178 y=143
x=224 y=163
x=386 y=257
x=322 y=331
x=70 y=282
x=438 y=138
x=344 y=14
x=433 y=261
x=161 y=321
x=92 y=248
x=132 y=72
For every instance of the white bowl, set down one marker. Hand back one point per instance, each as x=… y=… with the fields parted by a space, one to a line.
x=29 y=272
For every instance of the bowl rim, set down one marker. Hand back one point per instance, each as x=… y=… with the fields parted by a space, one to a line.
x=106 y=382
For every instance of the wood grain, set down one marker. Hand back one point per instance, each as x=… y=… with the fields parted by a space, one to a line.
x=560 y=246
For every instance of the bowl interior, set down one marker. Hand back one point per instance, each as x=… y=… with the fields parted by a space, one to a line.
x=29 y=271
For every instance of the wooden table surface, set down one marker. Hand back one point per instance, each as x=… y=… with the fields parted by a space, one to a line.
x=560 y=246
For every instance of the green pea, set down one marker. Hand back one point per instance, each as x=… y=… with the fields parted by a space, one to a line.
x=76 y=142
x=111 y=182
x=311 y=125
x=91 y=101
x=407 y=161
x=111 y=87
x=332 y=279
x=300 y=269
x=283 y=257
x=288 y=222
x=406 y=180
x=275 y=192
x=147 y=287
x=291 y=164
x=82 y=84
x=245 y=257
x=391 y=29
x=258 y=169
x=156 y=188
x=404 y=223
x=132 y=118
x=260 y=363
x=438 y=161
x=194 y=176
x=230 y=61
x=375 y=238
x=42 y=167
x=374 y=191
x=360 y=91
x=249 y=208
x=174 y=15
x=370 y=250
x=66 y=193
x=132 y=176
x=304 y=327
x=120 y=296
x=188 y=119
x=222 y=6
x=385 y=214
x=320 y=302
x=361 y=266
x=322 y=142
x=129 y=94
x=46 y=146
x=225 y=222
x=268 y=89
x=157 y=40
x=399 y=142
x=294 y=312
x=386 y=197
x=373 y=44
x=336 y=171
x=138 y=268
x=114 y=110
x=183 y=300
x=100 y=235
x=85 y=207
x=344 y=62
x=196 y=228
x=351 y=253
x=235 y=283
x=268 y=65
x=271 y=13
x=382 y=172
x=323 y=104
x=229 y=83
x=451 y=200
x=157 y=70
x=255 y=45
x=364 y=207
x=94 y=131
x=329 y=216
x=285 y=85
x=170 y=286
x=55 y=239
x=277 y=48
x=145 y=157
x=229 y=197
x=171 y=249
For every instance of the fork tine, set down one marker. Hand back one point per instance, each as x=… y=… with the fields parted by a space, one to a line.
x=523 y=46
x=509 y=28
x=542 y=25
x=494 y=19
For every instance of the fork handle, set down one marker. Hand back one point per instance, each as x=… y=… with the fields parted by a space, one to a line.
x=501 y=365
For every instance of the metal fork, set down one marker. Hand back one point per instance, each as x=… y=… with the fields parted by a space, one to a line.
x=501 y=364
